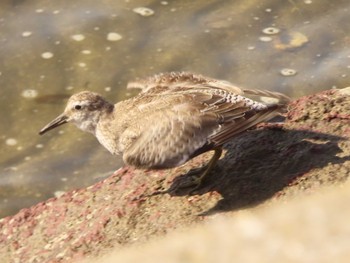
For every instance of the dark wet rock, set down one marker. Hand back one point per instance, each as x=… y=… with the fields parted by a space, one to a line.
x=272 y=162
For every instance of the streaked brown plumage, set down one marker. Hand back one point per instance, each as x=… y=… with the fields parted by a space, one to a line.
x=176 y=117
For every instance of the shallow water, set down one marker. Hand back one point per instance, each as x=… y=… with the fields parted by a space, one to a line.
x=52 y=49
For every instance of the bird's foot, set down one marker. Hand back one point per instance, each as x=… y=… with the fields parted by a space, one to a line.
x=187 y=183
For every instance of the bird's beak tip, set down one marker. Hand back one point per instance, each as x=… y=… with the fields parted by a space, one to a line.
x=61 y=119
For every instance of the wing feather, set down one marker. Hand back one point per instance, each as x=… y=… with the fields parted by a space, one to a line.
x=190 y=119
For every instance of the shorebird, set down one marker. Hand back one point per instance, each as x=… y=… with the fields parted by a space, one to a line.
x=174 y=118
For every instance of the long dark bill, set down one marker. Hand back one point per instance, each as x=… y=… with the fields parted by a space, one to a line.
x=62 y=119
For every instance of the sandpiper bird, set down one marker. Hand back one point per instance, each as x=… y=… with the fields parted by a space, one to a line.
x=174 y=118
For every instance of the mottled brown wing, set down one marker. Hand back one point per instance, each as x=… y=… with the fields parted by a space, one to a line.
x=239 y=125
x=173 y=133
x=175 y=81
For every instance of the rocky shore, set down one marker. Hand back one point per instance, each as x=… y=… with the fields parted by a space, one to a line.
x=265 y=167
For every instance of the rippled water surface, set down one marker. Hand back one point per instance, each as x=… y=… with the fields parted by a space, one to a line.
x=52 y=49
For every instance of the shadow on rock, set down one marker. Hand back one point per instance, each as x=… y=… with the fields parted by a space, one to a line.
x=260 y=163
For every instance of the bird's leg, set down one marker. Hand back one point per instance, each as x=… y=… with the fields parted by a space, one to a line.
x=193 y=178
x=196 y=177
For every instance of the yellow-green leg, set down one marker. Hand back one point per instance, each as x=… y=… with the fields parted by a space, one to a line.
x=197 y=176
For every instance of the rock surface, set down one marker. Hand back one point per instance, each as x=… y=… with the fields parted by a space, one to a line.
x=312 y=228
x=272 y=163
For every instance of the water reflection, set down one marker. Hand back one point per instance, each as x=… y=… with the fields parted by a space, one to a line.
x=51 y=49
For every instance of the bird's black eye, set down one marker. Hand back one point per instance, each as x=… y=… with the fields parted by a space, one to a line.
x=77 y=107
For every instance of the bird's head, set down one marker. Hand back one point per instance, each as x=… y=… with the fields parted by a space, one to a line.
x=83 y=109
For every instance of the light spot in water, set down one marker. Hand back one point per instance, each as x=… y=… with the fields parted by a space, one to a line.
x=271 y=30
x=27 y=158
x=60 y=132
x=82 y=64
x=86 y=52
x=107 y=88
x=47 y=55
x=11 y=142
x=308 y=2
x=96 y=28
x=143 y=11
x=26 y=34
x=173 y=10
x=108 y=48
x=265 y=39
x=256 y=18
x=268 y=10
x=287 y=72
x=114 y=36
x=39 y=10
x=78 y=37
x=69 y=88
x=64 y=179
x=29 y=93
x=87 y=12
x=251 y=48
x=55 y=12
x=164 y=3
x=57 y=42
x=39 y=146
x=343 y=75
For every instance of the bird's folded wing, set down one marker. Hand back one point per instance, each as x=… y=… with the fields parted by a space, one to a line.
x=172 y=134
